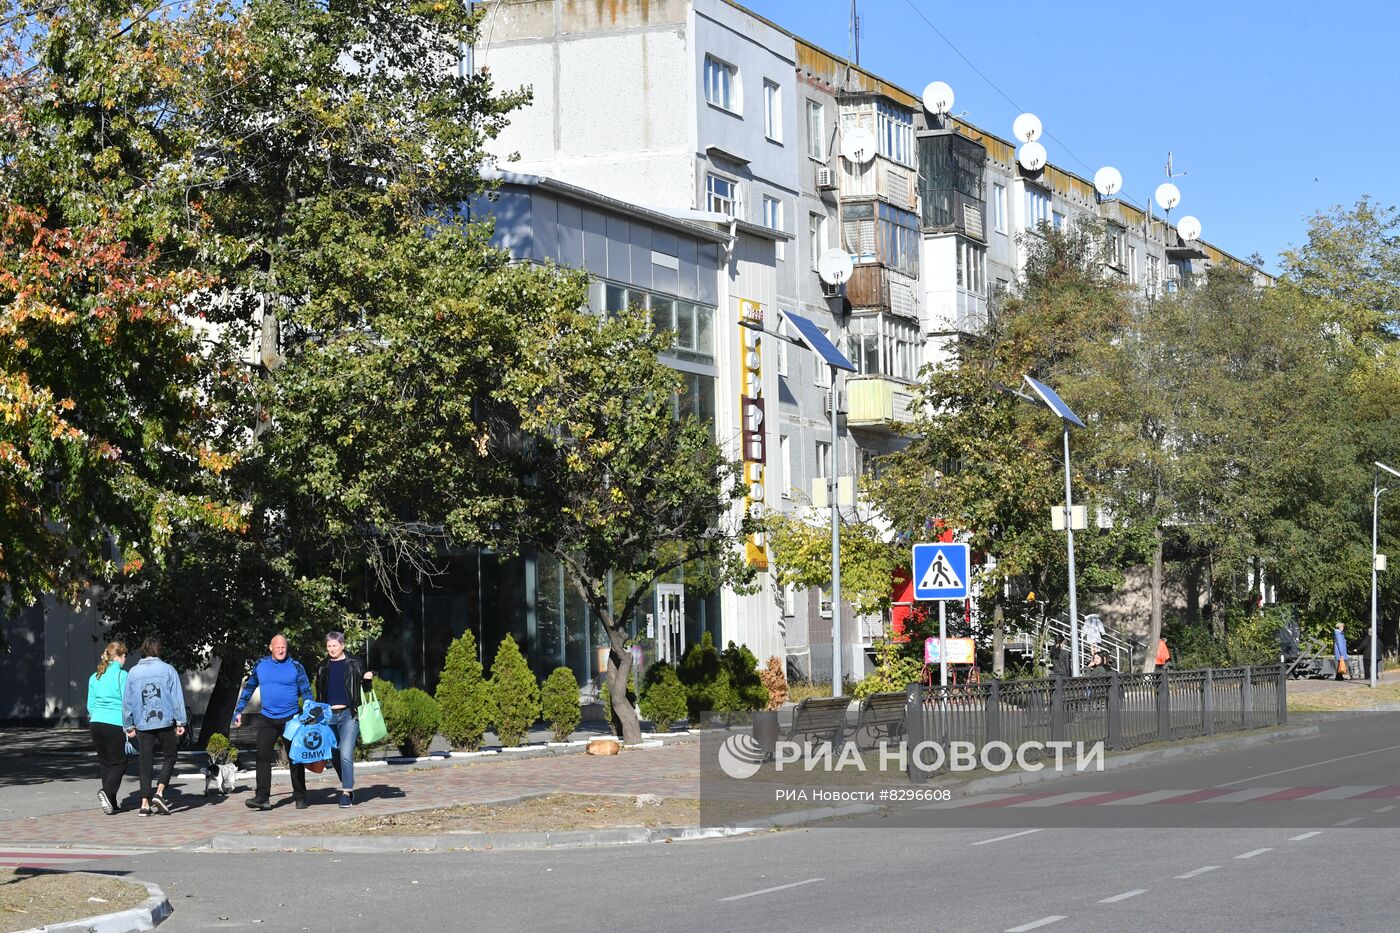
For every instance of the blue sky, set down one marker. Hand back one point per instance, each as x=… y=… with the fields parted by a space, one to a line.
x=1275 y=110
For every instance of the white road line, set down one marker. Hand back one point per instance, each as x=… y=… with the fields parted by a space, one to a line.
x=1329 y=761
x=1148 y=797
x=1345 y=792
x=1253 y=852
x=781 y=887
x=1315 y=832
x=966 y=801
x=1240 y=796
x=1386 y=809
x=1198 y=871
x=1024 y=832
x=1057 y=799
x=1124 y=896
x=1035 y=924
x=1354 y=819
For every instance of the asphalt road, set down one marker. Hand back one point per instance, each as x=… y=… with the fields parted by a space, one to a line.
x=1291 y=867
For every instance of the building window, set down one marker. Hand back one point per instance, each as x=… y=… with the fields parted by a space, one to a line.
x=789 y=600
x=721 y=195
x=822 y=377
x=1132 y=265
x=816 y=236
x=773 y=111
x=883 y=345
x=1154 y=271
x=1057 y=220
x=785 y=457
x=896 y=134
x=692 y=324
x=773 y=220
x=823 y=462
x=1037 y=208
x=721 y=84
x=816 y=130
x=880 y=232
x=999 y=208
x=1116 y=247
x=782 y=347
x=972 y=267
x=870 y=465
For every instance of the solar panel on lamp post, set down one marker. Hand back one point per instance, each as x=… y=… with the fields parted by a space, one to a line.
x=1376 y=490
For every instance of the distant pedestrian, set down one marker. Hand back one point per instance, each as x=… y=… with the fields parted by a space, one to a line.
x=106 y=688
x=153 y=707
x=284 y=685
x=1339 y=650
x=340 y=680
x=1060 y=664
x=1164 y=654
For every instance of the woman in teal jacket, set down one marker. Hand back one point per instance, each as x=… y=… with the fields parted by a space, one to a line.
x=104 y=702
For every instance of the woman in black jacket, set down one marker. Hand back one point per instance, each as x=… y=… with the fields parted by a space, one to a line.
x=339 y=682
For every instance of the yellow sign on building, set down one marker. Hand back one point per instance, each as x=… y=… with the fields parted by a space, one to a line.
x=753 y=432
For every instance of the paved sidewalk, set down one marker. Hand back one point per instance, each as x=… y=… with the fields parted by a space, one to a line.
x=671 y=770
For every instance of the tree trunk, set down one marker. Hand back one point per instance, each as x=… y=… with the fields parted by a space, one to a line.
x=1154 y=628
x=218 y=712
x=998 y=642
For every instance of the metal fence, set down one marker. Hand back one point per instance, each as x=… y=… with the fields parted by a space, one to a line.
x=1121 y=710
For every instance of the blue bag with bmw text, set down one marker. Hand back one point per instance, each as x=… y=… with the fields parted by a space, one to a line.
x=310 y=733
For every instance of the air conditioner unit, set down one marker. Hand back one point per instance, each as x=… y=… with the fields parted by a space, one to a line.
x=840 y=402
x=1173 y=272
x=831 y=290
x=826 y=179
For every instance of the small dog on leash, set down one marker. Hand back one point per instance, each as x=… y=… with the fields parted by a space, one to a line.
x=219 y=779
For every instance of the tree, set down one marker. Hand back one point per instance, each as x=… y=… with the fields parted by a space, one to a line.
x=464 y=695
x=559 y=703
x=515 y=694
x=801 y=554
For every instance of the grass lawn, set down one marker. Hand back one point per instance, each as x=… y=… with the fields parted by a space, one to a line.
x=1346 y=696
x=29 y=898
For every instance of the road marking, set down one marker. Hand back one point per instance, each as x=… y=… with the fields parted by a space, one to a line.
x=1036 y=924
x=967 y=801
x=1148 y=797
x=1345 y=792
x=1057 y=799
x=1248 y=793
x=781 y=887
x=1024 y=832
x=1386 y=809
x=1198 y=871
x=1124 y=896
x=1329 y=761
x=1253 y=852
x=1354 y=819
x=1315 y=832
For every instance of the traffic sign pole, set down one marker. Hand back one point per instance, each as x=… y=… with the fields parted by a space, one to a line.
x=943 y=642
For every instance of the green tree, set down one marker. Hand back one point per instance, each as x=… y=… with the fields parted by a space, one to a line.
x=464 y=695
x=515 y=694
x=801 y=554
x=559 y=703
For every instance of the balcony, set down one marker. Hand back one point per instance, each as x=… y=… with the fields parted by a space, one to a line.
x=874 y=401
x=873 y=287
x=881 y=179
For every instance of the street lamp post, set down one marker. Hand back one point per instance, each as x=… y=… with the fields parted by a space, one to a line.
x=1376 y=490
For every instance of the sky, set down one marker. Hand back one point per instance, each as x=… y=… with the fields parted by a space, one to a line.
x=1274 y=110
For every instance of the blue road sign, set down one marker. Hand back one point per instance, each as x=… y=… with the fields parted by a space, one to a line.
x=940 y=571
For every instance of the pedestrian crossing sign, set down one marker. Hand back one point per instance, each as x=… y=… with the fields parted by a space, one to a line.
x=940 y=571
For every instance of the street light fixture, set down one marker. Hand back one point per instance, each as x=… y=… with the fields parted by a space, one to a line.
x=1376 y=490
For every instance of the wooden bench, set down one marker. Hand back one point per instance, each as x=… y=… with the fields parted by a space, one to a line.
x=822 y=717
x=881 y=712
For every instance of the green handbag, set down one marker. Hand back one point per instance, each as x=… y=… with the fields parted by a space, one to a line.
x=372 y=728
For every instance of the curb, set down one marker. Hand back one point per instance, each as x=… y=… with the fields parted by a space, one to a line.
x=147 y=916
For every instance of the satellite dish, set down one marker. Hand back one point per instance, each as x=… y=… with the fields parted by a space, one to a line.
x=1032 y=156
x=858 y=145
x=938 y=98
x=834 y=266
x=1108 y=181
x=1026 y=128
x=1189 y=228
x=1168 y=196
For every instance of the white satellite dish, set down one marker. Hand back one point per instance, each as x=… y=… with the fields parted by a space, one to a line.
x=1189 y=228
x=1026 y=128
x=1032 y=156
x=858 y=145
x=1168 y=196
x=834 y=266
x=938 y=98
x=1108 y=181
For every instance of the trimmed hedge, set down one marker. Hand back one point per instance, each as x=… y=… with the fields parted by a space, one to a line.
x=663 y=696
x=515 y=693
x=559 y=703
x=412 y=718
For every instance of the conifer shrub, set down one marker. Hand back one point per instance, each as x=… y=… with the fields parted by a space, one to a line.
x=742 y=667
x=515 y=692
x=412 y=719
x=559 y=703
x=464 y=695
x=664 y=698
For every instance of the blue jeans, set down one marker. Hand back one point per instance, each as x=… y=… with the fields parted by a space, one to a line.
x=347 y=735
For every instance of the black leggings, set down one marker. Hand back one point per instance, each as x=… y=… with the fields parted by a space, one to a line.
x=168 y=742
x=111 y=756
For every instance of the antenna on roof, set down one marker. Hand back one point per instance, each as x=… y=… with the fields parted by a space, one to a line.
x=1170 y=173
x=855 y=34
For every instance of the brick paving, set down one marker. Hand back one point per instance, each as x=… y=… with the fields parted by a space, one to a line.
x=672 y=771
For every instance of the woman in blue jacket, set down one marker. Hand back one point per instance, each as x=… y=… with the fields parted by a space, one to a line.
x=104 y=702
x=153 y=706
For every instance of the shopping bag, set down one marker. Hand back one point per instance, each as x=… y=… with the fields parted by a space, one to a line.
x=372 y=728
x=1342 y=666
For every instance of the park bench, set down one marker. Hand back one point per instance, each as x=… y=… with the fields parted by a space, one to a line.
x=822 y=717
x=881 y=712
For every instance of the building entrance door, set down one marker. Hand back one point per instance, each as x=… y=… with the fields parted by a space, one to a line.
x=670 y=622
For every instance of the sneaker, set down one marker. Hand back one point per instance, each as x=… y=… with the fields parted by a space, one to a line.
x=256 y=804
x=106 y=803
x=144 y=811
x=158 y=805
x=345 y=800
x=301 y=803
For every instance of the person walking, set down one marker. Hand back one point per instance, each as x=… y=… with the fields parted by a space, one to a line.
x=153 y=707
x=1164 y=654
x=106 y=689
x=339 y=682
x=1339 y=651
x=284 y=685
x=1060 y=665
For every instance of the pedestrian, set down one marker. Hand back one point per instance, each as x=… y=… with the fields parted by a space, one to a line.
x=284 y=685
x=153 y=707
x=1339 y=650
x=341 y=681
x=106 y=688
x=1060 y=665
x=1164 y=654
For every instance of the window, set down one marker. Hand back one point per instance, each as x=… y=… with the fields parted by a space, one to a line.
x=1154 y=270
x=772 y=111
x=1132 y=265
x=1116 y=247
x=789 y=600
x=870 y=465
x=883 y=345
x=785 y=457
x=896 y=134
x=999 y=208
x=721 y=195
x=880 y=232
x=822 y=377
x=816 y=236
x=1037 y=208
x=824 y=605
x=721 y=84
x=783 y=347
x=1057 y=220
x=773 y=220
x=822 y=465
x=692 y=324
x=972 y=267
x=816 y=130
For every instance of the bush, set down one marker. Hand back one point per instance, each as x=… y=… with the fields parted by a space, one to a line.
x=221 y=750
x=894 y=670
x=515 y=694
x=775 y=680
x=663 y=696
x=412 y=718
x=464 y=695
x=559 y=703
x=706 y=680
x=741 y=665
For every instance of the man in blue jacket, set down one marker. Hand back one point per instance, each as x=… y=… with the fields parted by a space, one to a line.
x=284 y=686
